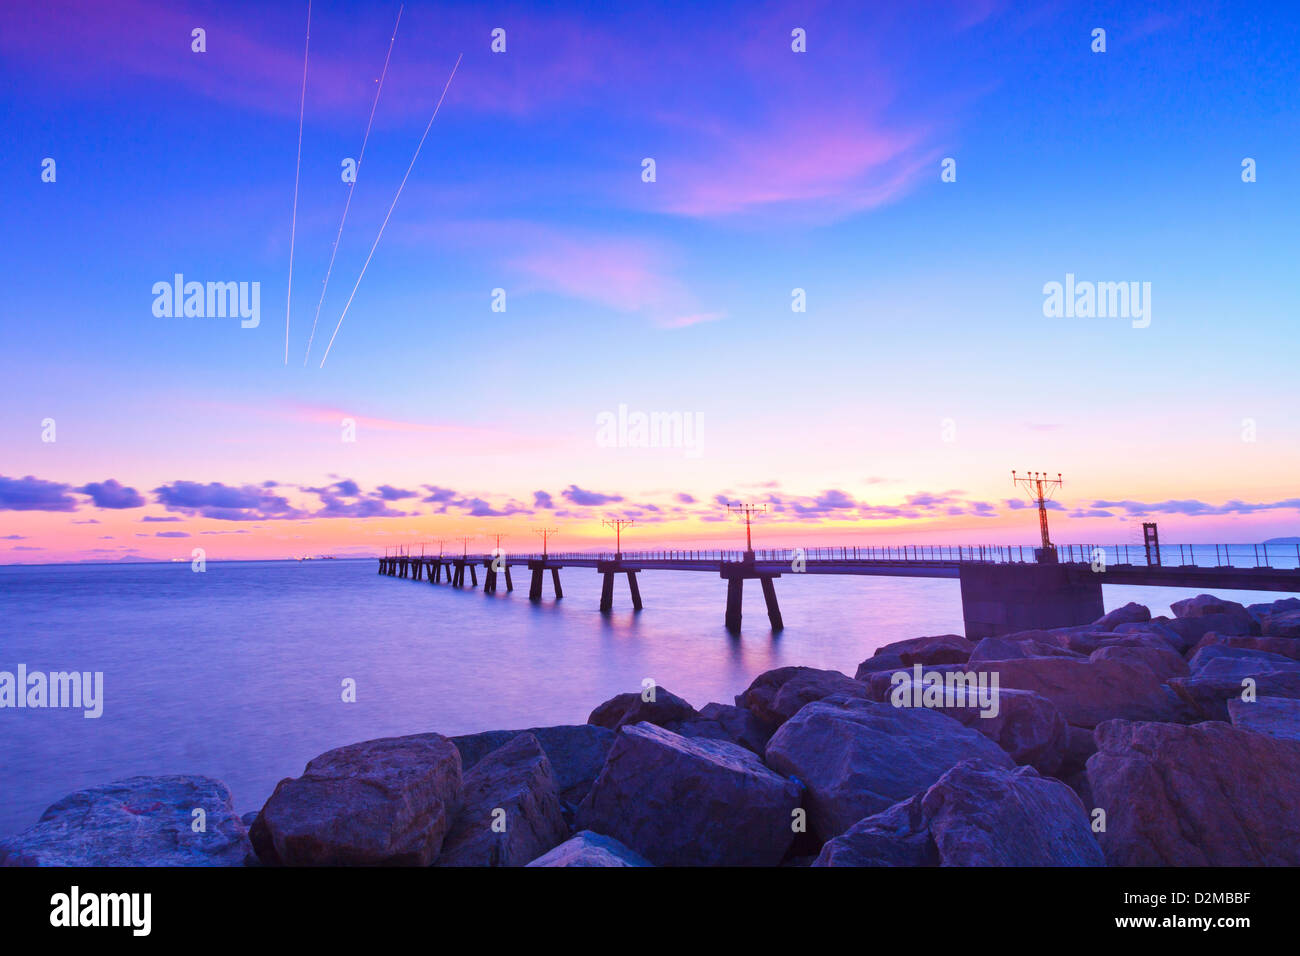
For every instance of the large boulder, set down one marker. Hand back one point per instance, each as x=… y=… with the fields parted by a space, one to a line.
x=682 y=801
x=777 y=695
x=1208 y=696
x=1164 y=662
x=877 y=663
x=1158 y=627
x=976 y=814
x=725 y=722
x=590 y=849
x=1027 y=726
x=1283 y=646
x=1003 y=649
x=576 y=752
x=1207 y=605
x=1220 y=660
x=1131 y=613
x=1205 y=795
x=857 y=757
x=1086 y=692
x=139 y=821
x=1282 y=624
x=510 y=809
x=1192 y=629
x=663 y=707
x=1275 y=716
x=380 y=802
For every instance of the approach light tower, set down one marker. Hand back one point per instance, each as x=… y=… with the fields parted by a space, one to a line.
x=1041 y=488
x=545 y=534
x=748 y=511
x=618 y=524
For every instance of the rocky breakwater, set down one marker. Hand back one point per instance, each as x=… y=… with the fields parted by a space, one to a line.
x=1130 y=741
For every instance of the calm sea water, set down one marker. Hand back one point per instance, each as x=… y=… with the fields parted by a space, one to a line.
x=237 y=672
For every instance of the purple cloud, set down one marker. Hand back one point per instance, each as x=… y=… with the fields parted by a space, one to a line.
x=111 y=494
x=34 y=494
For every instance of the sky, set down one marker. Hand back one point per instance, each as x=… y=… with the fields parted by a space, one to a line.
x=521 y=308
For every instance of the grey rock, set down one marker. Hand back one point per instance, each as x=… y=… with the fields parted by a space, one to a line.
x=682 y=801
x=139 y=821
x=590 y=849
x=510 y=812
x=976 y=814
x=858 y=757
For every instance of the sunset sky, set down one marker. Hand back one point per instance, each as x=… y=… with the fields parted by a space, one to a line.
x=891 y=410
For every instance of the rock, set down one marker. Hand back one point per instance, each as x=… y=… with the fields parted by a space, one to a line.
x=880 y=685
x=1219 y=610
x=1164 y=662
x=1208 y=696
x=139 y=821
x=940 y=649
x=1192 y=629
x=777 y=695
x=726 y=722
x=858 y=757
x=590 y=849
x=1206 y=795
x=880 y=662
x=1220 y=660
x=518 y=780
x=1002 y=649
x=1157 y=627
x=1088 y=692
x=1282 y=646
x=976 y=814
x=634 y=709
x=576 y=752
x=1131 y=613
x=1282 y=624
x=1027 y=726
x=679 y=801
x=1275 y=716
x=380 y=802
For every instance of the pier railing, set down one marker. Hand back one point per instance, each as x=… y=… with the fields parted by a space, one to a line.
x=1279 y=556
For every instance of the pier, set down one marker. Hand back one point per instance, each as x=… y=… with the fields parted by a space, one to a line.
x=1004 y=589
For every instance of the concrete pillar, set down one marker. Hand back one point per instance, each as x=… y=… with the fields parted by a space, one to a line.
x=773 y=609
x=510 y=585
x=473 y=576
x=636 y=591
x=535 y=586
x=735 y=590
x=1005 y=598
x=555 y=580
x=607 y=592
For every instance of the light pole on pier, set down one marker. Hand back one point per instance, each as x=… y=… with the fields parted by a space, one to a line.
x=1040 y=489
x=618 y=524
x=748 y=511
x=545 y=534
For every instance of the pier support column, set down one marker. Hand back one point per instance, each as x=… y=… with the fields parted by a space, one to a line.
x=735 y=590
x=459 y=580
x=1005 y=598
x=636 y=591
x=510 y=585
x=473 y=576
x=489 y=580
x=535 y=585
x=773 y=609
x=555 y=580
x=419 y=569
x=607 y=592
x=436 y=572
